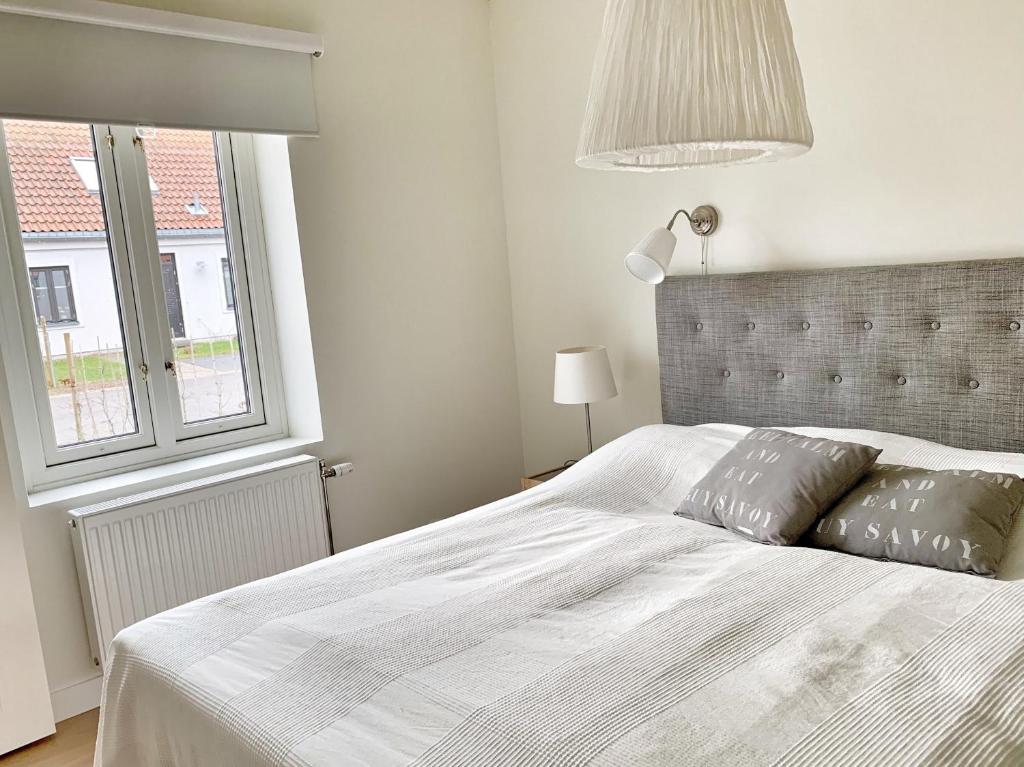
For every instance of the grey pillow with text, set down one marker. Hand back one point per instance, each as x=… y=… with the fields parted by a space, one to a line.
x=773 y=485
x=954 y=519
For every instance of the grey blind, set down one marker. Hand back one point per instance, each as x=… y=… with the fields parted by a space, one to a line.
x=84 y=72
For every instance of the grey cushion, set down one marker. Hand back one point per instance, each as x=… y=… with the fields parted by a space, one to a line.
x=773 y=485
x=953 y=519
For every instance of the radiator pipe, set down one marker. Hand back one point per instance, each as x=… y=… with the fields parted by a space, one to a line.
x=326 y=473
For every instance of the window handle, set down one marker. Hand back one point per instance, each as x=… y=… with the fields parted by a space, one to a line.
x=144 y=369
x=170 y=368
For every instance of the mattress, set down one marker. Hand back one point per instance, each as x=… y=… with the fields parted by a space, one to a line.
x=581 y=623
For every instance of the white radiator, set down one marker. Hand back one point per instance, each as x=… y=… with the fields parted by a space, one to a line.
x=143 y=554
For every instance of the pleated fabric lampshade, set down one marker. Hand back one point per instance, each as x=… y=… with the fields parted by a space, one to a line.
x=684 y=83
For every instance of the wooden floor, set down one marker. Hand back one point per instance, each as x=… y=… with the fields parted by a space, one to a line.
x=72 y=746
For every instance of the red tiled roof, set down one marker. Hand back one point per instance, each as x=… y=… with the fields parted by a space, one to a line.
x=52 y=197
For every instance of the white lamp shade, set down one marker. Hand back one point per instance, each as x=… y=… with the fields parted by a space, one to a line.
x=649 y=260
x=684 y=83
x=583 y=374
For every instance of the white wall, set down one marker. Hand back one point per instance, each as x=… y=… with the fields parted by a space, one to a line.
x=401 y=227
x=918 y=117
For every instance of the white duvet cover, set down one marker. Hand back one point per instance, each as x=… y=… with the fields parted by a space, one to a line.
x=582 y=623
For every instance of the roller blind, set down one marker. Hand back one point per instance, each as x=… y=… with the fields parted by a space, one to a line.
x=193 y=73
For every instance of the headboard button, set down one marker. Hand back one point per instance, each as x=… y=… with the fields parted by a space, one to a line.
x=750 y=326
x=805 y=325
x=780 y=375
x=868 y=325
x=1015 y=325
x=700 y=326
x=837 y=379
x=973 y=384
x=901 y=380
x=936 y=325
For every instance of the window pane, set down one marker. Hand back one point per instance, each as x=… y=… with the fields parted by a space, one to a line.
x=195 y=261
x=41 y=295
x=64 y=231
x=229 y=283
x=61 y=287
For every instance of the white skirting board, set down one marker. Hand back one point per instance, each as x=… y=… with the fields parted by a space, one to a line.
x=77 y=698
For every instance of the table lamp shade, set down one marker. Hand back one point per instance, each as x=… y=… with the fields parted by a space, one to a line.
x=583 y=375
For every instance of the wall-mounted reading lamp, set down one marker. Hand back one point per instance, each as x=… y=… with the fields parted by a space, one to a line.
x=649 y=260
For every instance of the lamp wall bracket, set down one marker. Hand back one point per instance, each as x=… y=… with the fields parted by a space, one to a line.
x=703 y=221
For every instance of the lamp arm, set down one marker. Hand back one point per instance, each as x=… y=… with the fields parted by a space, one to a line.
x=672 y=221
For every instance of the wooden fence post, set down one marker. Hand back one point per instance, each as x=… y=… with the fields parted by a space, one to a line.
x=69 y=351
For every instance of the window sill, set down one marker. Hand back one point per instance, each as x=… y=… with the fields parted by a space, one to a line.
x=141 y=480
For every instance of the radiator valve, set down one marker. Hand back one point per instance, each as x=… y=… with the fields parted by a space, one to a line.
x=337 y=470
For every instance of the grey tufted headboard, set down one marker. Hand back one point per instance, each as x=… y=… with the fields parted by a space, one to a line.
x=932 y=350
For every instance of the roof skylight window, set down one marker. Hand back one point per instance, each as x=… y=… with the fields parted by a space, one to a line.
x=86 y=169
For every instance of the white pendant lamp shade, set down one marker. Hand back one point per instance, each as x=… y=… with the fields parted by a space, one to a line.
x=684 y=83
x=649 y=260
x=583 y=375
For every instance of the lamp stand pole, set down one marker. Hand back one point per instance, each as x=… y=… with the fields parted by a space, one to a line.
x=590 y=439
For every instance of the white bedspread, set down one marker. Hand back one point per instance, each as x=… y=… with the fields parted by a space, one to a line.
x=582 y=623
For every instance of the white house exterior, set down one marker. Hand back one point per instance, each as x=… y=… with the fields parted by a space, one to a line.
x=198 y=262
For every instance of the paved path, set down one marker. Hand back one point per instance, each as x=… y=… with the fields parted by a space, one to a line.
x=206 y=393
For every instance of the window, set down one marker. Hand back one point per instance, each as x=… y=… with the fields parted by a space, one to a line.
x=158 y=350
x=81 y=387
x=213 y=352
x=229 y=285
x=52 y=295
x=86 y=169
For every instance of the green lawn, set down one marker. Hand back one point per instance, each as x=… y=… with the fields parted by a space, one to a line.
x=91 y=368
x=110 y=368
x=207 y=349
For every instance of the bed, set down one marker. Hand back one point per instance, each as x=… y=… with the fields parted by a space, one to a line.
x=581 y=622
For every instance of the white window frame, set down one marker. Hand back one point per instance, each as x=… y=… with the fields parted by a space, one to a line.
x=163 y=435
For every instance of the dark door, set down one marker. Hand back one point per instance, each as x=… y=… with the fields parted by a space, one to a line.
x=172 y=295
